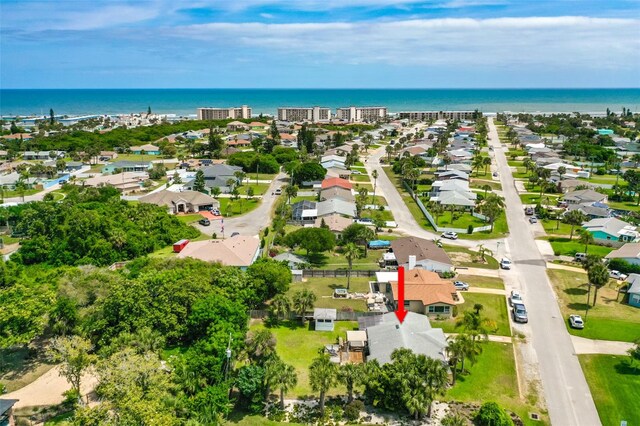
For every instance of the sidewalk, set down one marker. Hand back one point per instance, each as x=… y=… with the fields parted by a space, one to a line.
x=607 y=347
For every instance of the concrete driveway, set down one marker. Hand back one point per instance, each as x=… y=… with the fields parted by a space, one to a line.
x=566 y=391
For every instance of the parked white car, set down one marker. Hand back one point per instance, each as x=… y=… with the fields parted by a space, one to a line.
x=505 y=263
x=450 y=235
x=576 y=321
x=617 y=275
x=515 y=297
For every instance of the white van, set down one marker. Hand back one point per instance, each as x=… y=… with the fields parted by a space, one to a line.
x=580 y=257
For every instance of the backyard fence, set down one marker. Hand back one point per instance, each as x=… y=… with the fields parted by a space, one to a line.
x=341 y=315
x=432 y=221
x=336 y=273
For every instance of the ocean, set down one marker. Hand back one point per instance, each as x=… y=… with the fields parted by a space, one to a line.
x=186 y=101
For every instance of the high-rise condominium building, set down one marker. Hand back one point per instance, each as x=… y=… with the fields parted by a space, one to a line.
x=301 y=114
x=436 y=115
x=224 y=113
x=366 y=114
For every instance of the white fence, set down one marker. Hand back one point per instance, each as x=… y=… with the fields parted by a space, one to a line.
x=442 y=228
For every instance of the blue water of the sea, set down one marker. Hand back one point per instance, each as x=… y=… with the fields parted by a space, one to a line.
x=266 y=101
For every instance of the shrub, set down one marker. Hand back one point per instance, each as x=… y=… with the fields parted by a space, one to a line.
x=352 y=410
x=470 y=229
x=491 y=414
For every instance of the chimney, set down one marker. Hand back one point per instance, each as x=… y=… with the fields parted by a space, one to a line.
x=412 y=262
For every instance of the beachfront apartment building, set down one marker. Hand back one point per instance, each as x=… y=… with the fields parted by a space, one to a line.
x=209 y=113
x=436 y=115
x=367 y=114
x=301 y=114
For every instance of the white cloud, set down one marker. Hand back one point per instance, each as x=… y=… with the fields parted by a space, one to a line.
x=266 y=15
x=501 y=42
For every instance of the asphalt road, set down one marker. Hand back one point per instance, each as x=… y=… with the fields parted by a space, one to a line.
x=566 y=391
x=401 y=214
x=254 y=221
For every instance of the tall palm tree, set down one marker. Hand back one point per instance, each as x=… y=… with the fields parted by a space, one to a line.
x=486 y=161
x=586 y=238
x=273 y=367
x=322 y=376
x=290 y=191
x=483 y=252
x=436 y=380
x=350 y=251
x=416 y=401
x=455 y=353
x=486 y=187
x=350 y=375
x=374 y=175
x=303 y=300
x=260 y=345
x=598 y=277
x=477 y=163
x=287 y=380
x=280 y=306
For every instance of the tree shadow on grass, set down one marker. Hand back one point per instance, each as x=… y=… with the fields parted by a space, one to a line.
x=577 y=306
x=623 y=367
x=318 y=259
x=576 y=291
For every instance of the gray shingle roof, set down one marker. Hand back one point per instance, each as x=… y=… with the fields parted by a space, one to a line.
x=414 y=333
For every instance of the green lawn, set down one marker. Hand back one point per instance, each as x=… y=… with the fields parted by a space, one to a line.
x=615 y=388
x=261 y=176
x=300 y=198
x=493 y=378
x=360 y=178
x=258 y=189
x=478 y=184
x=606 y=179
x=547 y=199
x=189 y=218
x=562 y=246
x=624 y=205
x=466 y=258
x=482 y=282
x=240 y=206
x=494 y=309
x=324 y=287
x=385 y=214
x=335 y=260
x=243 y=419
x=16 y=194
x=298 y=345
x=557 y=227
x=608 y=320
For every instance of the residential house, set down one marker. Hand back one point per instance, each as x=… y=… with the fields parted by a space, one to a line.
x=333 y=161
x=452 y=174
x=461 y=167
x=591 y=210
x=324 y=319
x=337 y=192
x=633 y=292
x=414 y=333
x=453 y=192
x=335 y=222
x=148 y=149
x=72 y=166
x=584 y=196
x=127 y=166
x=460 y=156
x=108 y=155
x=331 y=182
x=304 y=210
x=126 y=182
x=181 y=202
x=629 y=252
x=240 y=251
x=612 y=229
x=570 y=185
x=218 y=176
x=339 y=173
x=237 y=126
x=10 y=180
x=426 y=255
x=341 y=207
x=258 y=125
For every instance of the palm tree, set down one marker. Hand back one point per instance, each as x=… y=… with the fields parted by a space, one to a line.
x=287 y=380
x=350 y=251
x=471 y=348
x=374 y=175
x=486 y=161
x=477 y=163
x=477 y=308
x=483 y=252
x=322 y=376
x=472 y=322
x=573 y=218
x=280 y=306
x=290 y=191
x=455 y=352
x=486 y=187
x=586 y=238
x=436 y=209
x=240 y=175
x=273 y=367
x=416 y=401
x=436 y=378
x=259 y=345
x=636 y=159
x=350 y=375
x=598 y=277
x=389 y=150
x=303 y=300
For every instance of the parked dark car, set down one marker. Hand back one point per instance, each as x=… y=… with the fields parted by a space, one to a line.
x=204 y=222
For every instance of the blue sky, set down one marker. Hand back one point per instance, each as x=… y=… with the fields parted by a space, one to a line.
x=319 y=43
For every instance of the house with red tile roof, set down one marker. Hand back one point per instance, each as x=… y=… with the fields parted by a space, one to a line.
x=331 y=182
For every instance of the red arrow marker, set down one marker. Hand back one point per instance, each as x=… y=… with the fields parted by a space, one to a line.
x=401 y=312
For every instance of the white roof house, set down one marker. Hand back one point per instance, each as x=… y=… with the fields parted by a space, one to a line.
x=612 y=229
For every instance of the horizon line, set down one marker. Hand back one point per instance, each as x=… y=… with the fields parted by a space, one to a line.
x=321 y=88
